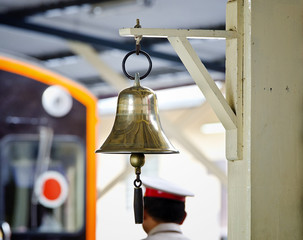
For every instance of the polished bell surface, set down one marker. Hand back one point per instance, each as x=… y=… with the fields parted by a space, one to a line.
x=137 y=127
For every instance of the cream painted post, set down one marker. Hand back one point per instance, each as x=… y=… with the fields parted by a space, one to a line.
x=239 y=213
x=266 y=187
x=234 y=78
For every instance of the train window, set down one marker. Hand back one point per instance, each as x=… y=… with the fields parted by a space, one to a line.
x=42 y=190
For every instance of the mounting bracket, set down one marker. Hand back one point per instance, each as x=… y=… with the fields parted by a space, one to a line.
x=229 y=110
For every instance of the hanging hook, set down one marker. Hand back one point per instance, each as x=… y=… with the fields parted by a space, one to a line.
x=138 y=38
x=137 y=51
x=126 y=57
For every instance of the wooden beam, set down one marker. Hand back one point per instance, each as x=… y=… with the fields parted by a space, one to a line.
x=93 y=58
x=204 y=81
x=234 y=78
x=188 y=33
x=124 y=174
x=170 y=129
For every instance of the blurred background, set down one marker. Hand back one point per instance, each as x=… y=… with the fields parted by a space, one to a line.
x=79 y=40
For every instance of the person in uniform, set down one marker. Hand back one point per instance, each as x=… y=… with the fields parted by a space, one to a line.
x=164 y=209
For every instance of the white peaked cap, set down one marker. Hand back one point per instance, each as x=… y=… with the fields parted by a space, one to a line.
x=163 y=186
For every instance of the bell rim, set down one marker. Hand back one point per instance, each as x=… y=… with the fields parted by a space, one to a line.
x=137 y=151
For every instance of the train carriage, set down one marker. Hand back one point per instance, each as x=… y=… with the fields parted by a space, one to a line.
x=47 y=159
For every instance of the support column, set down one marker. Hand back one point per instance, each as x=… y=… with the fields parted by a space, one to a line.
x=265 y=188
x=239 y=211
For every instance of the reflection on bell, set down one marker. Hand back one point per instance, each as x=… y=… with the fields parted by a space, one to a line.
x=137 y=127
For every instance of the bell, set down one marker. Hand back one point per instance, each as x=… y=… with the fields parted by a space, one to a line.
x=137 y=127
x=137 y=130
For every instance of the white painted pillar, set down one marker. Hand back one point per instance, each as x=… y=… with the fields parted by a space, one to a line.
x=266 y=187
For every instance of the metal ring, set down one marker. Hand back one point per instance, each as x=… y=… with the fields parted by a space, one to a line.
x=139 y=183
x=130 y=53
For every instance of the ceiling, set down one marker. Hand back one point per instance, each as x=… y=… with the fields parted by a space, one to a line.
x=41 y=30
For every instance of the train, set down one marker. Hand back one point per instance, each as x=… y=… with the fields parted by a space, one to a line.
x=47 y=154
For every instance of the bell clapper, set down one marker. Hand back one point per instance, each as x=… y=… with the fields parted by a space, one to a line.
x=137 y=160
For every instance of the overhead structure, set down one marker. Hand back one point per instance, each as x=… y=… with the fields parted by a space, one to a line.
x=264 y=188
x=228 y=111
x=112 y=77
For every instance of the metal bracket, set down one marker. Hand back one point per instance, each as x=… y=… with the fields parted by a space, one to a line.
x=229 y=110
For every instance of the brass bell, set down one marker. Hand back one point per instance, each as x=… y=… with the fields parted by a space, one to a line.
x=137 y=130
x=137 y=127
